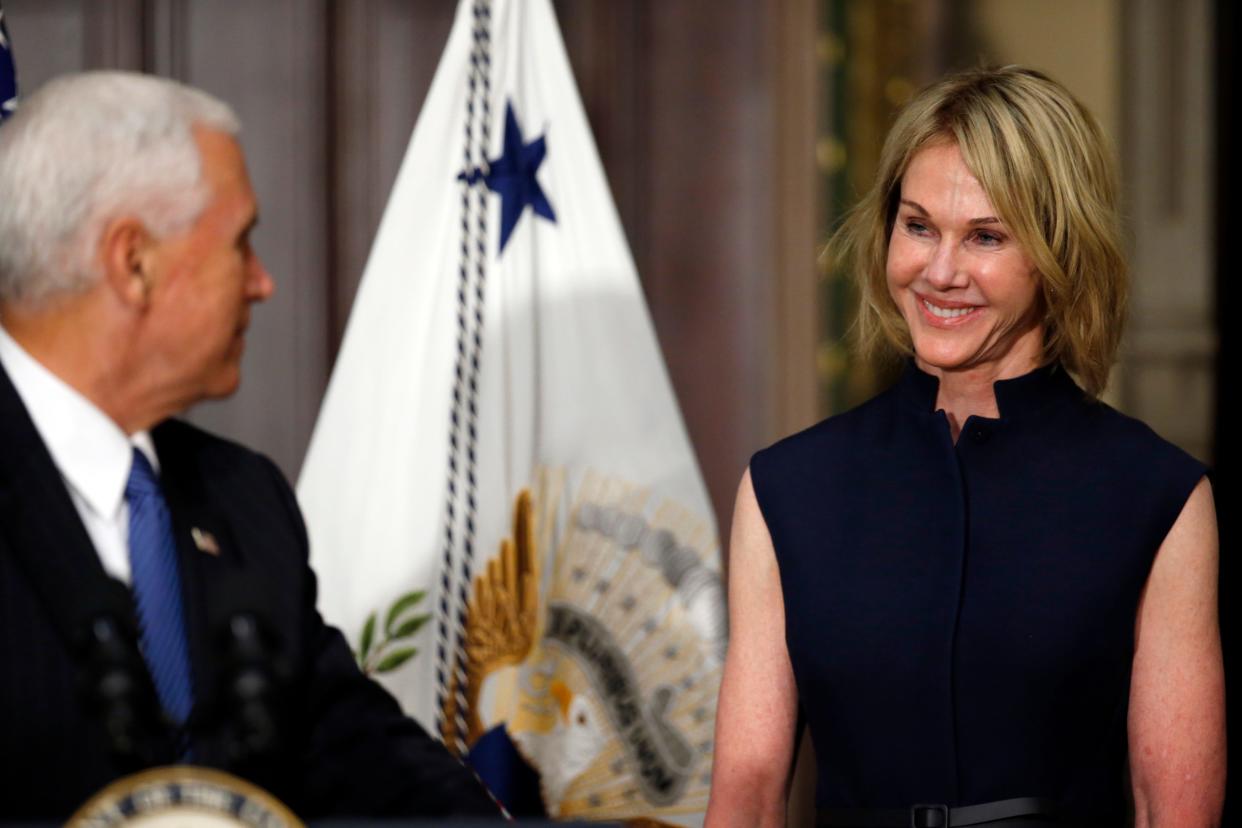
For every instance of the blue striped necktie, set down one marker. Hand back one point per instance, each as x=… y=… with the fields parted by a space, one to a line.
x=157 y=590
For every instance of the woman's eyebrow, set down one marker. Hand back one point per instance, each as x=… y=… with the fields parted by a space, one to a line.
x=974 y=221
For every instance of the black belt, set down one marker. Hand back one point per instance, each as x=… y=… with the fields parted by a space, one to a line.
x=1025 y=810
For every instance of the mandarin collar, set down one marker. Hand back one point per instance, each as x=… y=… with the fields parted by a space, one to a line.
x=1015 y=397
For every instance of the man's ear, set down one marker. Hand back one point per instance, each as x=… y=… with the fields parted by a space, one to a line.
x=126 y=249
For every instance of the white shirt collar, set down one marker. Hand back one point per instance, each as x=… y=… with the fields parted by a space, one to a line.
x=92 y=453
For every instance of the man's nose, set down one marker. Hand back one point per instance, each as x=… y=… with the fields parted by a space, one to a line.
x=259 y=283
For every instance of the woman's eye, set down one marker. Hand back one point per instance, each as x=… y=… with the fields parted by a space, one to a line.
x=916 y=227
x=989 y=239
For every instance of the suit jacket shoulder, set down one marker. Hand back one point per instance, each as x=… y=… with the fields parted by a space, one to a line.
x=347 y=748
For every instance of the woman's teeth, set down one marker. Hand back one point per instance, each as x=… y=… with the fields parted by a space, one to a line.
x=946 y=313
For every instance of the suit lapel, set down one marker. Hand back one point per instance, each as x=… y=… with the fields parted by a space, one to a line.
x=43 y=532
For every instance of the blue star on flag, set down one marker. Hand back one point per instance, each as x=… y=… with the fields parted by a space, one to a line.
x=512 y=177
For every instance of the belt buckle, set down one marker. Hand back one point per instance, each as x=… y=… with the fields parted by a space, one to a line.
x=921 y=816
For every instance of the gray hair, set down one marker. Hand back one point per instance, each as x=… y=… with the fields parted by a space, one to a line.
x=84 y=150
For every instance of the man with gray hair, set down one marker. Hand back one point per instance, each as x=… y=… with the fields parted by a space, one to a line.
x=156 y=605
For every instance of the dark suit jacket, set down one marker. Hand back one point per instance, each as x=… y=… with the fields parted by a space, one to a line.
x=342 y=746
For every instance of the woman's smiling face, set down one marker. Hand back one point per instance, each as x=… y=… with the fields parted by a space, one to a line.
x=968 y=291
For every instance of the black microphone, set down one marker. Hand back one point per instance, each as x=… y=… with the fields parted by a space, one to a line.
x=251 y=688
x=249 y=709
x=116 y=687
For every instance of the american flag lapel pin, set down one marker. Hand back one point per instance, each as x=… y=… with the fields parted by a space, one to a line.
x=205 y=541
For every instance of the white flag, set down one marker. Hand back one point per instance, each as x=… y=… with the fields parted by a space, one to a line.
x=499 y=476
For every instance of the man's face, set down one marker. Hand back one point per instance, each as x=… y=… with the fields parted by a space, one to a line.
x=203 y=281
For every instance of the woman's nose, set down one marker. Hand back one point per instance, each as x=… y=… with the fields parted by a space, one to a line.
x=944 y=270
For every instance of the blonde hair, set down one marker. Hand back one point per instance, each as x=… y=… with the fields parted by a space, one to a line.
x=1046 y=167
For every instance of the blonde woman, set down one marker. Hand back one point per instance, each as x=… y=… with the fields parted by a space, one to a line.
x=991 y=596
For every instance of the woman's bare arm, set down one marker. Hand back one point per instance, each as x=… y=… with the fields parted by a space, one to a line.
x=756 y=715
x=1177 y=693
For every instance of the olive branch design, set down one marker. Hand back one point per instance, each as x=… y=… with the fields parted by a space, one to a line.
x=383 y=655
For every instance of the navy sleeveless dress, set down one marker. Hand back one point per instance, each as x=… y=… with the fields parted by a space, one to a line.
x=960 y=617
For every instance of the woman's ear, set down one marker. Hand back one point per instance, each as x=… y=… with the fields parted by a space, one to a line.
x=125 y=250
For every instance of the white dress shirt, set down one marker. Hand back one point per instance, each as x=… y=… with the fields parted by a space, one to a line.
x=91 y=452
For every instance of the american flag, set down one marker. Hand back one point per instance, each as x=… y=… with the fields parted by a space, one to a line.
x=8 y=73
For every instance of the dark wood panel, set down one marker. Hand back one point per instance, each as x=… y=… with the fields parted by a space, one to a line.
x=709 y=259
x=607 y=55
x=267 y=60
x=704 y=116
x=49 y=39
x=115 y=34
x=384 y=55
